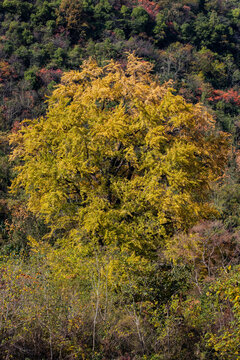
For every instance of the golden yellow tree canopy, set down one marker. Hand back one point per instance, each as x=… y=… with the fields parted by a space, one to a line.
x=118 y=157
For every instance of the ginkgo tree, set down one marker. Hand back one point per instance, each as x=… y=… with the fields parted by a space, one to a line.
x=119 y=158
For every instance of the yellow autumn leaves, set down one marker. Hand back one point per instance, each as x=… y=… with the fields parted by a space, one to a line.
x=119 y=158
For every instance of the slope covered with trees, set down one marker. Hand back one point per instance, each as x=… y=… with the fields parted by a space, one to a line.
x=196 y=44
x=120 y=195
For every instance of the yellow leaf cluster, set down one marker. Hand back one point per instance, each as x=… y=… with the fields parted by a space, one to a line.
x=118 y=157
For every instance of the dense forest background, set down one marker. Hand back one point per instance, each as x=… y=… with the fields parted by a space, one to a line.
x=178 y=300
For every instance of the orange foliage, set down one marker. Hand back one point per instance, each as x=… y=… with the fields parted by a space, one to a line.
x=150 y=7
x=6 y=71
x=230 y=96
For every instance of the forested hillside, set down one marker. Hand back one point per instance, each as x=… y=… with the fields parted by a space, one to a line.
x=120 y=180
